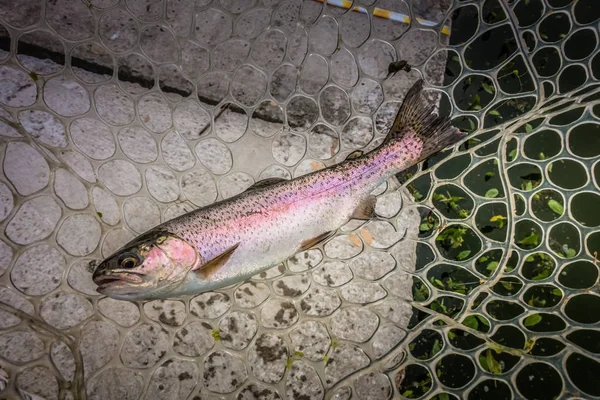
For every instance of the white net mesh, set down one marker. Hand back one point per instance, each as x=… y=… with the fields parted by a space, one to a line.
x=478 y=279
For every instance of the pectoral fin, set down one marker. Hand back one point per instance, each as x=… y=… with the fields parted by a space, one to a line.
x=307 y=244
x=213 y=265
x=366 y=209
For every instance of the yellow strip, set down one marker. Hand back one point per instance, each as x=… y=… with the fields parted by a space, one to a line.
x=378 y=12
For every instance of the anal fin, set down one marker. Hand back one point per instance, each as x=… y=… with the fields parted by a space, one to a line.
x=366 y=209
x=213 y=265
x=308 y=243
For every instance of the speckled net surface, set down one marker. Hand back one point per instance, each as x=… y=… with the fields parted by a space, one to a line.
x=117 y=115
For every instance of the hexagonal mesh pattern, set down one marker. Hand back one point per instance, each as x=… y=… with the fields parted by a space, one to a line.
x=478 y=279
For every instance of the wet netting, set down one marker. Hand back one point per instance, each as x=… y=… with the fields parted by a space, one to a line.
x=478 y=278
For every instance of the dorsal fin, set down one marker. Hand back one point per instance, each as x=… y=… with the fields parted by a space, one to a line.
x=354 y=155
x=266 y=182
x=213 y=265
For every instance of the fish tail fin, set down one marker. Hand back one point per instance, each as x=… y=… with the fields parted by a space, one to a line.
x=417 y=120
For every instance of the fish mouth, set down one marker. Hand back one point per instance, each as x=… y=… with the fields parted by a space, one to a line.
x=116 y=279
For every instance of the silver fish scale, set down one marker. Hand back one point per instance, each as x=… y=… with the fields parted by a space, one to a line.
x=477 y=279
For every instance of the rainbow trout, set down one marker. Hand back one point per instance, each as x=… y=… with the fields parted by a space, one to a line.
x=232 y=240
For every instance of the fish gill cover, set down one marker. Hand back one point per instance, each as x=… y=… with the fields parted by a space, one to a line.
x=477 y=279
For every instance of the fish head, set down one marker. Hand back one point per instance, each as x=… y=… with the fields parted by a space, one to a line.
x=148 y=266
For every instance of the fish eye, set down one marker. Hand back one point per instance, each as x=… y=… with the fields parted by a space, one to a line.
x=128 y=262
